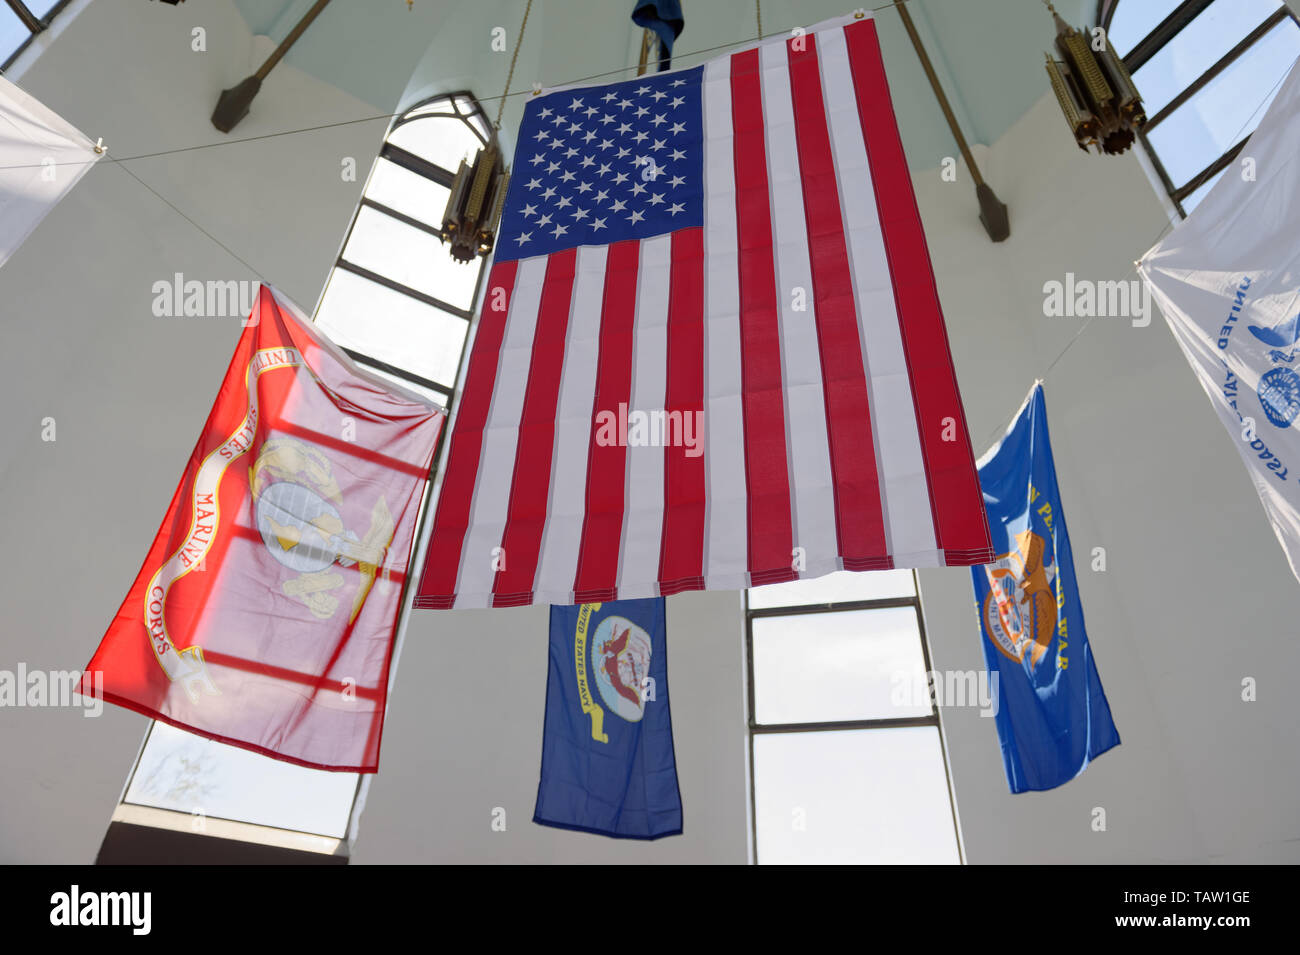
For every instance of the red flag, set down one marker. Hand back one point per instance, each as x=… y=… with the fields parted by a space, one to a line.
x=265 y=613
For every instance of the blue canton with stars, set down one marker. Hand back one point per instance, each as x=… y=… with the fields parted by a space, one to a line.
x=606 y=163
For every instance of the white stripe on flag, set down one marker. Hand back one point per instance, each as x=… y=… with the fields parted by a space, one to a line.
x=644 y=511
x=500 y=440
x=903 y=484
x=811 y=483
x=558 y=560
x=725 y=542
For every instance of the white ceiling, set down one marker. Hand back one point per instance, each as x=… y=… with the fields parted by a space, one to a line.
x=988 y=53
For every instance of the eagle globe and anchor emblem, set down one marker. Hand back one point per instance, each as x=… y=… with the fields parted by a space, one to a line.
x=296 y=503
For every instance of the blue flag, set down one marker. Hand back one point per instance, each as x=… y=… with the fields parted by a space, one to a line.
x=664 y=17
x=607 y=748
x=1052 y=715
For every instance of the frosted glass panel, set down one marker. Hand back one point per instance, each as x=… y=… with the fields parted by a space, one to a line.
x=392 y=327
x=444 y=142
x=391 y=248
x=409 y=193
x=835 y=588
x=853 y=796
x=192 y=774
x=826 y=667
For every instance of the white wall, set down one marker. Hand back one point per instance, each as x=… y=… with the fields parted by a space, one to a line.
x=1195 y=597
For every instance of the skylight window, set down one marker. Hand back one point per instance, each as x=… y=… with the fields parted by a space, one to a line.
x=1207 y=71
x=20 y=21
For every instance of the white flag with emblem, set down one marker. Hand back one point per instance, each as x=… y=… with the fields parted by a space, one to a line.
x=1228 y=283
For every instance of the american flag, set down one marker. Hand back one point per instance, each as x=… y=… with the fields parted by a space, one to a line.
x=710 y=353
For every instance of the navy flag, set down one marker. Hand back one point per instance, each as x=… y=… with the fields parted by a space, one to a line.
x=607 y=748
x=1052 y=716
x=664 y=17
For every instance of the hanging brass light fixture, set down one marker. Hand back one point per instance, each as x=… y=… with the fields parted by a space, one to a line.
x=1094 y=90
x=478 y=192
x=469 y=223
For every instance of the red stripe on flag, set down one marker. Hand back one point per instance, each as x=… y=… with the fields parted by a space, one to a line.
x=859 y=517
x=767 y=473
x=530 y=486
x=451 y=521
x=318 y=682
x=145 y=710
x=681 y=551
x=602 y=526
x=960 y=525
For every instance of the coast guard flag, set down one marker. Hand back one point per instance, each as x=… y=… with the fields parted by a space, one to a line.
x=1228 y=282
x=607 y=748
x=710 y=353
x=265 y=611
x=42 y=156
x=1052 y=715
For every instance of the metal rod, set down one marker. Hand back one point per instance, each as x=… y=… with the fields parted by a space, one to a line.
x=29 y=20
x=1166 y=30
x=938 y=93
x=291 y=39
x=233 y=104
x=646 y=36
x=993 y=212
x=1208 y=173
x=373 y=362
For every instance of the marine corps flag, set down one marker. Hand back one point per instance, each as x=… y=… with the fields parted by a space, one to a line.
x=264 y=614
x=607 y=748
x=1052 y=715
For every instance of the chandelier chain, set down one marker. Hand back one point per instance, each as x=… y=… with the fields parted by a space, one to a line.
x=514 y=58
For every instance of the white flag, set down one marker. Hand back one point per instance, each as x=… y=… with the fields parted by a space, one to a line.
x=1228 y=283
x=41 y=158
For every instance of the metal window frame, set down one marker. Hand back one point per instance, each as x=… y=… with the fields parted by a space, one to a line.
x=756 y=728
x=1254 y=36
x=35 y=25
x=257 y=833
x=417 y=112
x=1165 y=32
x=240 y=829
